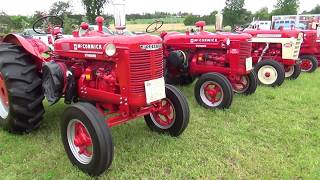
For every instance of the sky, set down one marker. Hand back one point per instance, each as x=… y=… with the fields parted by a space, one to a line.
x=202 y=7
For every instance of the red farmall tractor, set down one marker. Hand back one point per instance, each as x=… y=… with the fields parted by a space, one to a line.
x=222 y=61
x=310 y=51
x=275 y=54
x=108 y=80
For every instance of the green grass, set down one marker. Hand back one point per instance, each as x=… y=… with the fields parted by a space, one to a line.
x=274 y=133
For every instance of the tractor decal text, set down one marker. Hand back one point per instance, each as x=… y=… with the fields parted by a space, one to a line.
x=87 y=46
x=203 y=40
x=151 y=47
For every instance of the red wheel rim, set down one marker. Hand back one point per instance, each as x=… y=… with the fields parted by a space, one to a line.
x=164 y=118
x=211 y=93
x=4 y=98
x=80 y=141
x=242 y=85
x=306 y=65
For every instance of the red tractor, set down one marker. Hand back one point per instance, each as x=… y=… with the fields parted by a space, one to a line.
x=222 y=61
x=310 y=51
x=275 y=54
x=108 y=80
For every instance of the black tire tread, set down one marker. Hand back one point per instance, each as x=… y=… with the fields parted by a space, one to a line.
x=24 y=89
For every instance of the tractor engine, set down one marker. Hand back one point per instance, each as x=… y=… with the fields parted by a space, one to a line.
x=105 y=70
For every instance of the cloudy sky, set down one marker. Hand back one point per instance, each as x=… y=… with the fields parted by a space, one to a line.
x=27 y=7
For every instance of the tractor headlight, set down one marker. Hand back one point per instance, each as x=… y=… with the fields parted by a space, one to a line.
x=111 y=50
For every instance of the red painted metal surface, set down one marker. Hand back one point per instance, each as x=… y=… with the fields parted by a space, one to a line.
x=115 y=84
x=82 y=139
x=310 y=45
x=4 y=97
x=221 y=52
x=274 y=51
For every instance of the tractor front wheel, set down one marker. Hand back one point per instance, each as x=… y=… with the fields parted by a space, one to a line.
x=248 y=84
x=21 y=95
x=214 y=91
x=270 y=73
x=86 y=138
x=293 y=72
x=173 y=115
x=309 y=63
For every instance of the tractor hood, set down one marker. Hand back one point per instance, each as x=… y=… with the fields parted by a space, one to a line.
x=94 y=47
x=202 y=38
x=274 y=33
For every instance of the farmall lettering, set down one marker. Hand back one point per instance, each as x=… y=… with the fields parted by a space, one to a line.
x=87 y=46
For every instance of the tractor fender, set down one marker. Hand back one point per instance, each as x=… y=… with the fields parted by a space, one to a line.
x=34 y=46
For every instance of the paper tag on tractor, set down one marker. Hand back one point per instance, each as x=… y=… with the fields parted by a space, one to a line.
x=249 y=64
x=155 y=90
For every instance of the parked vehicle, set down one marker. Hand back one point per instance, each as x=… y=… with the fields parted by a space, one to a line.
x=222 y=61
x=108 y=80
x=310 y=51
x=275 y=54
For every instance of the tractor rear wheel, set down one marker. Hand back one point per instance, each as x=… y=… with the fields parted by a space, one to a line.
x=86 y=138
x=214 y=91
x=173 y=117
x=309 y=63
x=270 y=73
x=21 y=95
x=248 y=85
x=293 y=72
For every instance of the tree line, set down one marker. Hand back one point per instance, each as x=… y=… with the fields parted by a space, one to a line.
x=234 y=14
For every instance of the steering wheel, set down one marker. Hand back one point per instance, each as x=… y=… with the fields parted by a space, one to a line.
x=155 y=26
x=47 y=23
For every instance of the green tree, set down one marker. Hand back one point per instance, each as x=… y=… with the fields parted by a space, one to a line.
x=191 y=20
x=235 y=14
x=60 y=8
x=315 y=10
x=94 y=8
x=284 y=7
x=262 y=14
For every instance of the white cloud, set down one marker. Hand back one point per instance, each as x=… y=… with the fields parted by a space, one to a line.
x=27 y=7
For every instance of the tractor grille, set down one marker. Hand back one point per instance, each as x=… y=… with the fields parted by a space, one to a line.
x=245 y=50
x=297 y=47
x=144 y=66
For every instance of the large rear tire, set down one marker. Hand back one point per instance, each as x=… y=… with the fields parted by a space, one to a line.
x=270 y=73
x=21 y=107
x=309 y=63
x=173 y=118
x=86 y=138
x=213 y=91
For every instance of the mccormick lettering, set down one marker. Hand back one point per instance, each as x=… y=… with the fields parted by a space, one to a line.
x=87 y=46
x=203 y=40
x=151 y=47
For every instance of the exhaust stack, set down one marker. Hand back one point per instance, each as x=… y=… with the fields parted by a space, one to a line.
x=119 y=15
x=219 y=20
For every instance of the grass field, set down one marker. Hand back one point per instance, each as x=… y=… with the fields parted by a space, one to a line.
x=165 y=27
x=274 y=133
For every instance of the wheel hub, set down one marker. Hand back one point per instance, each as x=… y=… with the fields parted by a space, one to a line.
x=289 y=71
x=80 y=141
x=267 y=75
x=306 y=65
x=242 y=85
x=4 y=98
x=164 y=118
x=211 y=93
